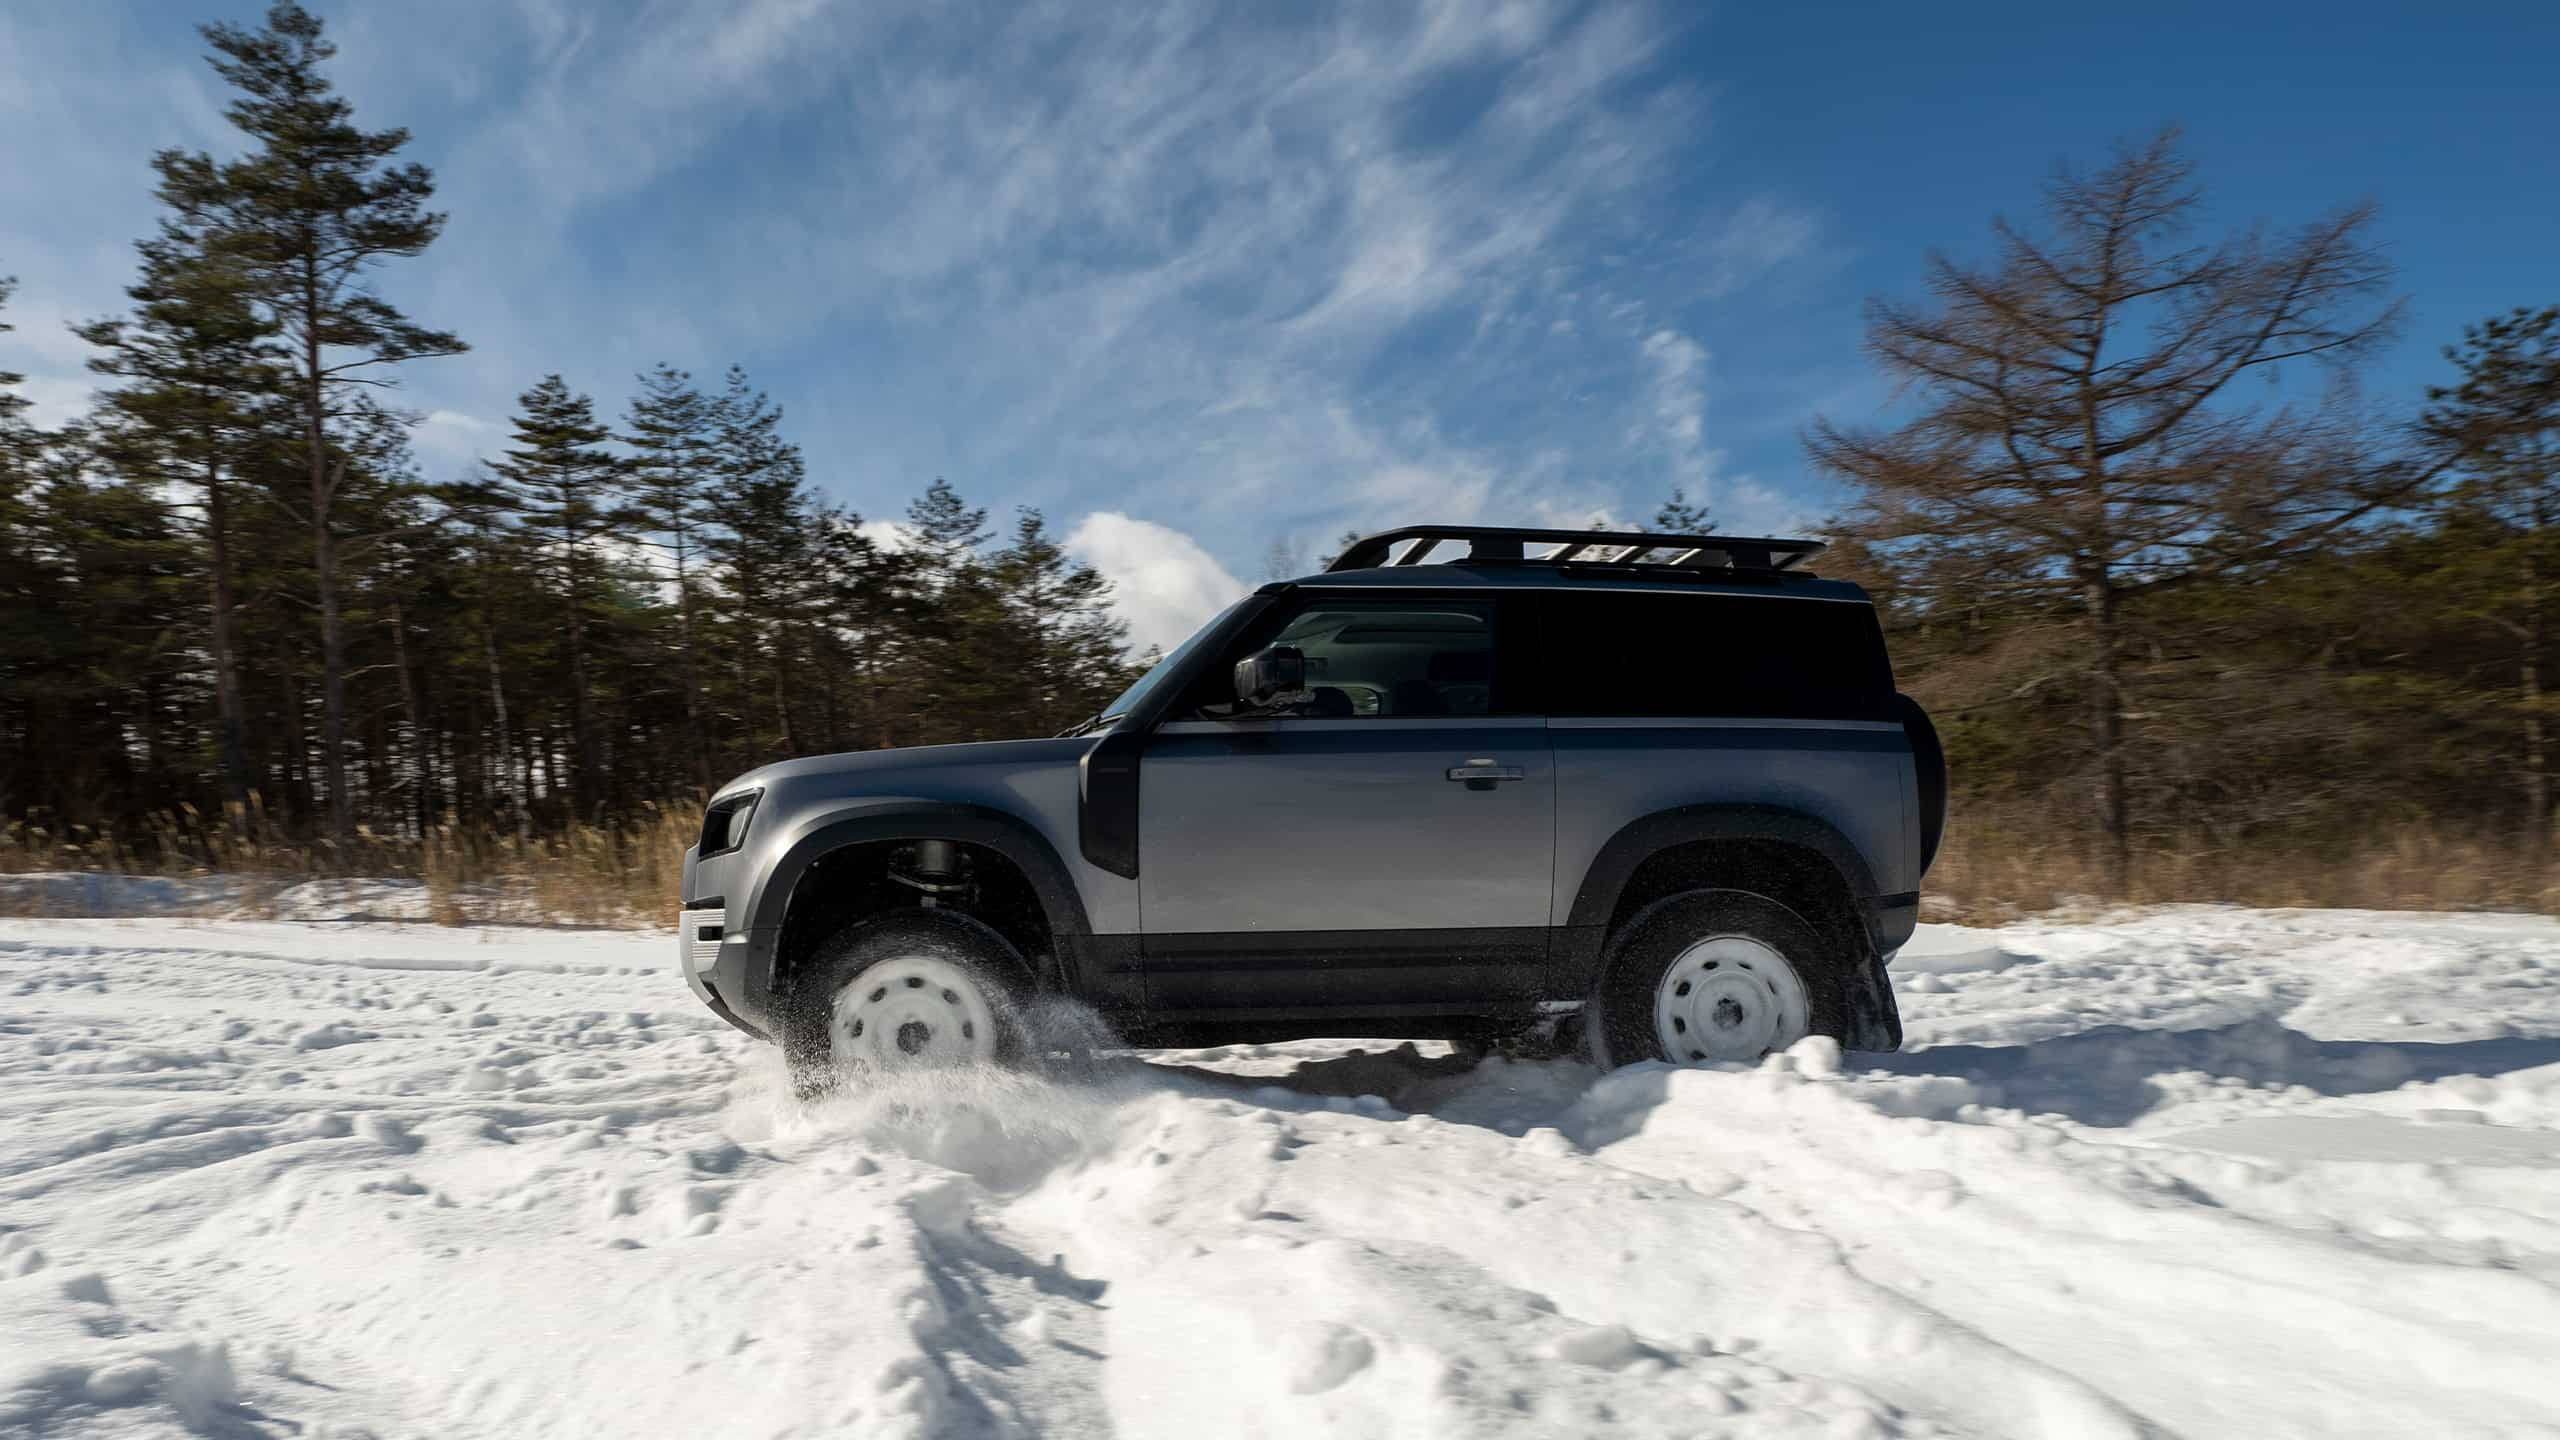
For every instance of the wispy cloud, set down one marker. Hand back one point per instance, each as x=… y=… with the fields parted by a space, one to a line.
x=1679 y=393
x=1240 y=271
x=1762 y=235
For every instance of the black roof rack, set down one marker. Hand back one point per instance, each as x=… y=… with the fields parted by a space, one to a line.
x=1581 y=547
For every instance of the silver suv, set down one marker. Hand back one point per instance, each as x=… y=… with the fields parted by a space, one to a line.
x=1655 y=789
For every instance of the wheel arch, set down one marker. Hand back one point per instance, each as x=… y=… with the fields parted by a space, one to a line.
x=786 y=884
x=1795 y=859
x=1613 y=879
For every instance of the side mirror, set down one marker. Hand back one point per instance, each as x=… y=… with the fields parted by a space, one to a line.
x=1265 y=675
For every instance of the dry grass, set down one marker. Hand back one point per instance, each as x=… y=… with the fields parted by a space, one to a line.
x=1996 y=868
x=624 y=875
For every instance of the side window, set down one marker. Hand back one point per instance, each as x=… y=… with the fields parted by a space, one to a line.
x=1666 y=654
x=1389 y=659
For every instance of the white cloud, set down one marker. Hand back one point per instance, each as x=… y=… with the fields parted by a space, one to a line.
x=455 y=438
x=1678 y=393
x=1162 y=582
x=890 y=535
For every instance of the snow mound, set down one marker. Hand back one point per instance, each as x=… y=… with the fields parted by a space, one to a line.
x=75 y=1356
x=350 y=900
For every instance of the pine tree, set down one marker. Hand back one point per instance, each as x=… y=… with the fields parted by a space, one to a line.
x=961 y=649
x=1070 y=651
x=868 y=595
x=308 y=215
x=202 y=376
x=28 y=589
x=1282 y=559
x=762 y=544
x=562 y=486
x=106 y=687
x=1680 y=515
x=944 y=531
x=19 y=441
x=671 y=427
x=2499 y=426
x=491 y=586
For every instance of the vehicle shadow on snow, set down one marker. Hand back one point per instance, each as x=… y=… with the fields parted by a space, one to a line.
x=2108 y=1077
x=2111 y=1076
x=1496 y=1093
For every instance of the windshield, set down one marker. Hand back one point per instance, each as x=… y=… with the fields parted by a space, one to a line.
x=1137 y=691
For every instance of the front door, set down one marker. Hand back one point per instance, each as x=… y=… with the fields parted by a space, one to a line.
x=1386 y=842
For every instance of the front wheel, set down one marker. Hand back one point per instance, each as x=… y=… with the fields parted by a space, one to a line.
x=913 y=990
x=1713 y=975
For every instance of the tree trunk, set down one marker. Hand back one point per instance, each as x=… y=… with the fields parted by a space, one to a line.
x=422 y=802
x=781 y=698
x=2537 y=777
x=582 y=720
x=2106 y=716
x=299 y=807
x=697 y=756
x=333 y=671
x=519 y=783
x=230 y=713
x=324 y=560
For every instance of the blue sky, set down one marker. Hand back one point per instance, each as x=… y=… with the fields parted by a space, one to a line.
x=1195 y=277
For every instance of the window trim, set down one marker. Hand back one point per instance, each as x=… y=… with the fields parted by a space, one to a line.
x=1250 y=725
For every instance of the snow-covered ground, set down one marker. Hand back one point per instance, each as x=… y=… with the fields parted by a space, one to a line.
x=2201 y=1172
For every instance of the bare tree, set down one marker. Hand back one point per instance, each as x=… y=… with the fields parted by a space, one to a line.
x=2077 y=436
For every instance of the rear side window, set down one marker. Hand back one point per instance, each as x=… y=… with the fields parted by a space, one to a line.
x=1713 y=655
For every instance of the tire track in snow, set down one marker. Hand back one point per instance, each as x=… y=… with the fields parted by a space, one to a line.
x=1385 y=1284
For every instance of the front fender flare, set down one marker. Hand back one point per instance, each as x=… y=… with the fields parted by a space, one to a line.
x=860 y=823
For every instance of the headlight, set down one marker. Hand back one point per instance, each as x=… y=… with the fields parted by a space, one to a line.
x=724 y=825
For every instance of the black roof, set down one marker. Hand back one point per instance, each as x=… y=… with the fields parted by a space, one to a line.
x=1616 y=549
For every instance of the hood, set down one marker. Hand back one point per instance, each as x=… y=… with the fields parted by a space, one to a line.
x=859 y=765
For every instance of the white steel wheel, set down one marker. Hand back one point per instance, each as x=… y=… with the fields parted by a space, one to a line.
x=912 y=1012
x=1729 y=997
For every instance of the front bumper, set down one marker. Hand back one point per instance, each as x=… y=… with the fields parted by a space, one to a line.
x=715 y=965
x=712 y=948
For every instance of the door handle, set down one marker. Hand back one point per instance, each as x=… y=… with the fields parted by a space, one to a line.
x=1481 y=774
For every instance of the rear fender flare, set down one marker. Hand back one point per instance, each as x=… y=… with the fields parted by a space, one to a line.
x=1642 y=838
x=1874 y=1021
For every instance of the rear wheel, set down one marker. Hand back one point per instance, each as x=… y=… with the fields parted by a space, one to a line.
x=913 y=990
x=1713 y=976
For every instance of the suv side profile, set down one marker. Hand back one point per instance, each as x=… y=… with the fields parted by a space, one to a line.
x=1656 y=788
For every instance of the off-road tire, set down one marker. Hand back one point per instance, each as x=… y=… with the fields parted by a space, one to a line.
x=1619 y=1021
x=947 y=935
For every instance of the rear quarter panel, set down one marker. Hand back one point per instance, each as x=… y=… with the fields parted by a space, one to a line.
x=1855 y=776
